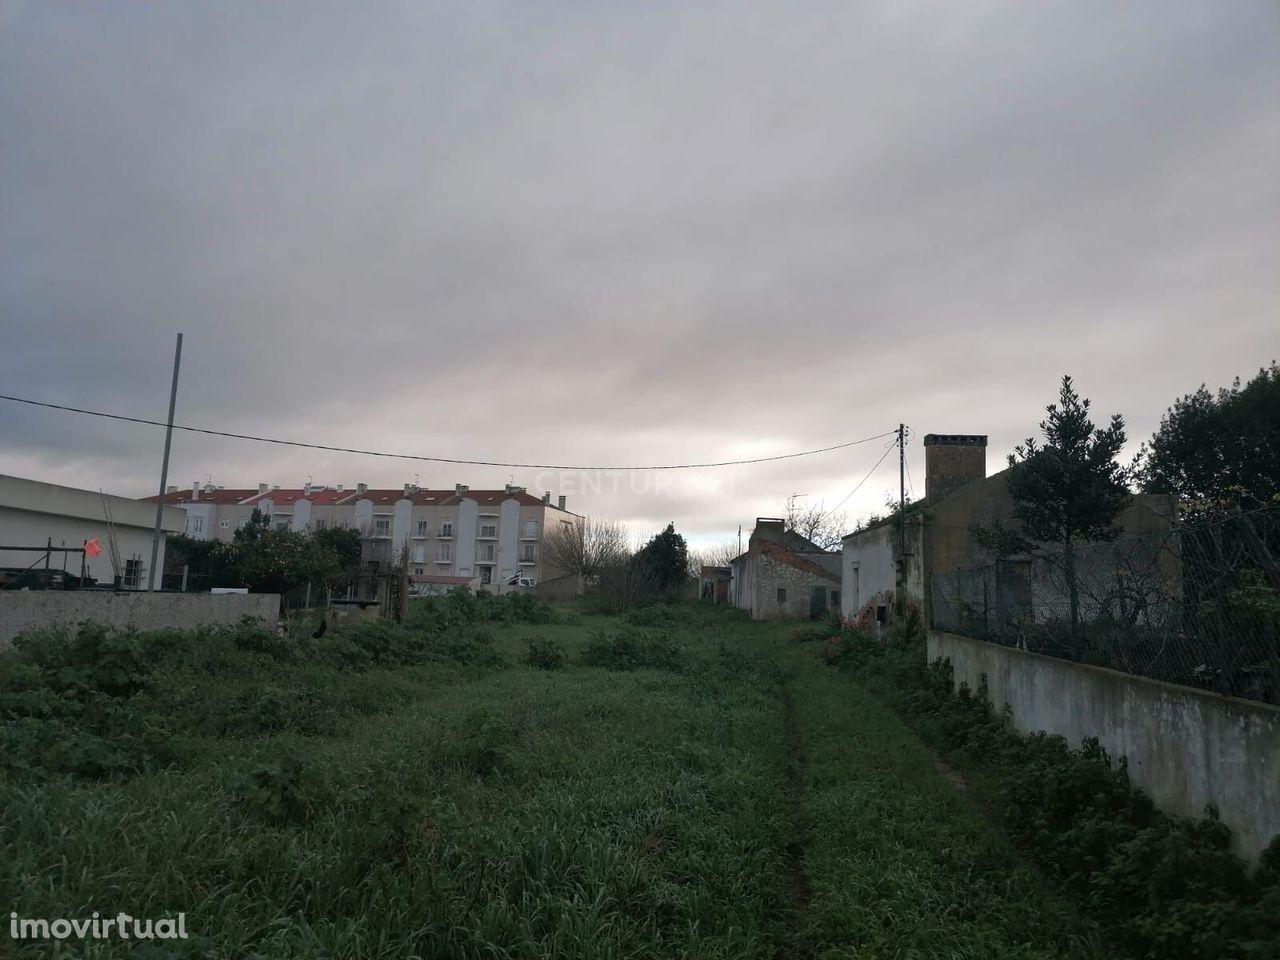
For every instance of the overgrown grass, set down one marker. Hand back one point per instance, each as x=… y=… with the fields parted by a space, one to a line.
x=695 y=788
x=1158 y=886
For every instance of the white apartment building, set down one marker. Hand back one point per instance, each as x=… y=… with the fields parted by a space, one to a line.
x=491 y=534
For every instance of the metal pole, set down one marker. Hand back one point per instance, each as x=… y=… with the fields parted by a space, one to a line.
x=47 y=552
x=164 y=467
x=902 y=520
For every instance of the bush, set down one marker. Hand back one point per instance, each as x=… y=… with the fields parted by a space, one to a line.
x=631 y=649
x=460 y=608
x=283 y=792
x=543 y=654
x=1159 y=885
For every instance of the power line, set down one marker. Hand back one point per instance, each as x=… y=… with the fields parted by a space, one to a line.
x=869 y=473
x=410 y=456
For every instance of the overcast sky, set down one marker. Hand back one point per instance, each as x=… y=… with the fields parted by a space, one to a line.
x=623 y=232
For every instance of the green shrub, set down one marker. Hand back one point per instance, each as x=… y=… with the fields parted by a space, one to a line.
x=1161 y=886
x=631 y=649
x=283 y=792
x=653 y=615
x=544 y=654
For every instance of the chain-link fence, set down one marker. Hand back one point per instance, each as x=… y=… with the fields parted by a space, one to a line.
x=1197 y=605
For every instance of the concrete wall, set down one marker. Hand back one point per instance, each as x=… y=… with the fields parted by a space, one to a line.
x=1186 y=748
x=559 y=588
x=869 y=570
x=949 y=541
x=22 y=610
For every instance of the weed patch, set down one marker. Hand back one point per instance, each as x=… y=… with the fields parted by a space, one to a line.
x=1158 y=885
x=544 y=653
x=631 y=649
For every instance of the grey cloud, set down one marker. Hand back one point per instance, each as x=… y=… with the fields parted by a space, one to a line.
x=629 y=233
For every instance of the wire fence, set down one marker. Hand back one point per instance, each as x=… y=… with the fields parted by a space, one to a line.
x=1197 y=605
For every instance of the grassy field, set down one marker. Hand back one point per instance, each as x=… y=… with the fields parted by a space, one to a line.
x=690 y=786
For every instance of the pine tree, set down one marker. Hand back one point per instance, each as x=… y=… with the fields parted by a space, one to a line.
x=1069 y=489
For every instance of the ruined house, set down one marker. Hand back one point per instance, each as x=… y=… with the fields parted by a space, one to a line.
x=783 y=575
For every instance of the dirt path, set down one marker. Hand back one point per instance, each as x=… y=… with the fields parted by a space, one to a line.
x=798 y=890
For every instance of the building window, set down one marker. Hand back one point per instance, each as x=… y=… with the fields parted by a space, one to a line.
x=420 y=553
x=486 y=574
x=224 y=524
x=319 y=524
x=423 y=528
x=882 y=614
x=133 y=573
x=282 y=524
x=530 y=530
x=485 y=552
x=835 y=599
x=444 y=552
x=417 y=571
x=488 y=529
x=195 y=524
x=528 y=552
x=446 y=529
x=782 y=594
x=382 y=528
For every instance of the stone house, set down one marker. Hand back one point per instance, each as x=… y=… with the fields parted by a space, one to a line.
x=937 y=535
x=784 y=576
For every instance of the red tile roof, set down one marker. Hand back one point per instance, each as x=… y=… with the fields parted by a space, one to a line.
x=223 y=497
x=321 y=497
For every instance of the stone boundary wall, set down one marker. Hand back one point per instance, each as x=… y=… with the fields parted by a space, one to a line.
x=22 y=610
x=1185 y=747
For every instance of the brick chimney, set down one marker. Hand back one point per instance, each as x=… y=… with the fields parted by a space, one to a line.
x=460 y=488
x=546 y=497
x=769 y=528
x=951 y=460
x=561 y=503
x=361 y=489
x=262 y=488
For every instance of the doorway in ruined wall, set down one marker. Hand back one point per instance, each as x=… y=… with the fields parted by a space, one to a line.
x=817 y=602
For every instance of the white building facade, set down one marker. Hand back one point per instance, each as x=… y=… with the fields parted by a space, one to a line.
x=494 y=535
x=35 y=514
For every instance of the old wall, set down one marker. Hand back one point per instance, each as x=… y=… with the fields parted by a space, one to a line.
x=869 y=567
x=22 y=610
x=770 y=575
x=1186 y=748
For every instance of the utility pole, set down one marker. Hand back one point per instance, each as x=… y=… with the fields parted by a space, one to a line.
x=902 y=520
x=164 y=468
